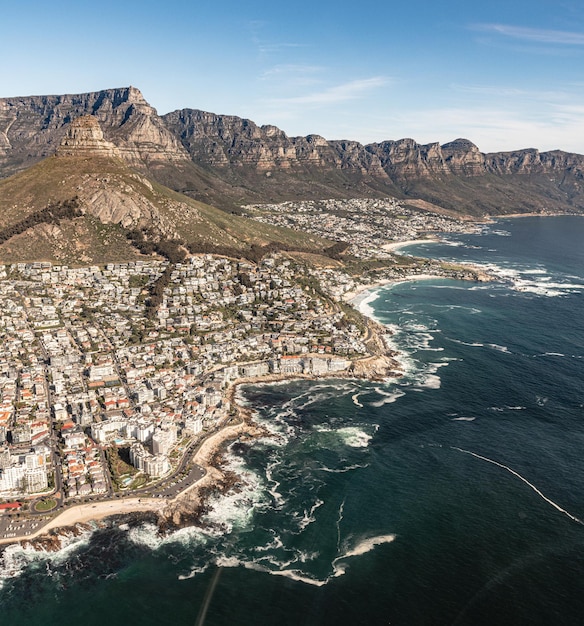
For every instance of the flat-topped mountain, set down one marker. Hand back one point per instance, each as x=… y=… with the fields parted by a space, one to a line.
x=228 y=161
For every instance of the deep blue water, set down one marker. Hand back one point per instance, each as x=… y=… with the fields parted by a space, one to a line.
x=451 y=496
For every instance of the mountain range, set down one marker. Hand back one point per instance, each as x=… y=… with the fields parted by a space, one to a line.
x=227 y=161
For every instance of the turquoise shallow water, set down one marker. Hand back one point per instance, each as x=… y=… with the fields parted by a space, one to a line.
x=451 y=496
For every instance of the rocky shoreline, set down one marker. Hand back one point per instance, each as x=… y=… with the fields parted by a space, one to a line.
x=189 y=507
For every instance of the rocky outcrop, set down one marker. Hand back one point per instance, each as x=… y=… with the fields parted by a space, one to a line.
x=405 y=160
x=84 y=137
x=120 y=197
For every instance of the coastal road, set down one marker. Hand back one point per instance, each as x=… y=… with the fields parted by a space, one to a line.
x=174 y=485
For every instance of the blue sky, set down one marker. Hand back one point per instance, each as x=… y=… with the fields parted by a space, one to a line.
x=504 y=74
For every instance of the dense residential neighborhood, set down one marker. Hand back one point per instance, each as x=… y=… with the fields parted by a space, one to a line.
x=103 y=393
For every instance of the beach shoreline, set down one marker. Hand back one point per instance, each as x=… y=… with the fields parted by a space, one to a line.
x=355 y=296
x=90 y=512
x=393 y=246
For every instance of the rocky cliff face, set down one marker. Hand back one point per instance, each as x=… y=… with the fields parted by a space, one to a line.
x=84 y=137
x=406 y=158
x=31 y=128
x=228 y=161
x=227 y=140
x=455 y=175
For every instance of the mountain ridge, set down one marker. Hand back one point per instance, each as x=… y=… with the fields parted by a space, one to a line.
x=229 y=161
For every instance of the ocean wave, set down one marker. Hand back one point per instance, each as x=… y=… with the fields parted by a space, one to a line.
x=500 y=409
x=308 y=517
x=365 y=545
x=352 y=436
x=524 y=480
x=236 y=509
x=498 y=348
x=472 y=344
x=364 y=306
x=351 y=549
x=273 y=484
x=428 y=378
x=359 y=548
x=342 y=470
x=322 y=393
x=355 y=399
x=16 y=558
x=194 y=571
x=453 y=307
x=387 y=397
x=293 y=574
x=520 y=278
x=430 y=381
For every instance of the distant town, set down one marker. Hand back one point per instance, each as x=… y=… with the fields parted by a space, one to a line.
x=365 y=224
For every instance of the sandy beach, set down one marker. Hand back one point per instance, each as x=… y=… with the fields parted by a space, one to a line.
x=397 y=245
x=360 y=293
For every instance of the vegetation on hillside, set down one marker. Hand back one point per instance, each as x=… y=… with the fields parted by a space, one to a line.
x=52 y=214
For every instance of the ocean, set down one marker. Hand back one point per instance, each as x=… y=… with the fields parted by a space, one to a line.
x=453 y=495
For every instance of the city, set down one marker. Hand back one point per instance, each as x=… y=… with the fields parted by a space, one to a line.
x=104 y=395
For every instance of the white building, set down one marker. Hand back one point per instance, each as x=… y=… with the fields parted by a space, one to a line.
x=250 y=370
x=99 y=372
x=156 y=466
x=102 y=432
x=163 y=441
x=194 y=424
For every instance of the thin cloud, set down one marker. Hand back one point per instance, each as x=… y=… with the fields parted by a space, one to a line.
x=292 y=69
x=293 y=76
x=265 y=47
x=339 y=93
x=496 y=129
x=512 y=92
x=538 y=35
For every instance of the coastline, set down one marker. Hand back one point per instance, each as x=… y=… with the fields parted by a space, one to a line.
x=494 y=218
x=187 y=506
x=393 y=246
x=357 y=295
